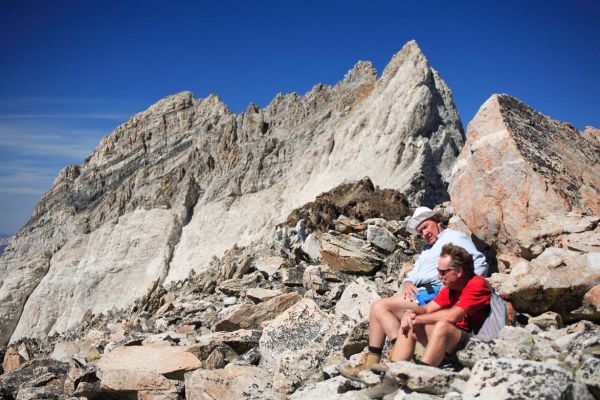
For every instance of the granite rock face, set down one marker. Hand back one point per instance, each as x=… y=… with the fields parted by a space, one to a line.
x=205 y=174
x=529 y=187
x=506 y=379
x=232 y=382
x=93 y=273
x=520 y=172
x=287 y=302
x=300 y=328
x=591 y=133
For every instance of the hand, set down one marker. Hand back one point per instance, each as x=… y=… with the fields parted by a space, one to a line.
x=408 y=291
x=407 y=322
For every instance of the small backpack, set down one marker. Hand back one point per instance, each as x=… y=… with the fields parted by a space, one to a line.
x=501 y=315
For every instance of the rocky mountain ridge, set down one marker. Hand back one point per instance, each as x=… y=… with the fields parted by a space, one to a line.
x=187 y=172
x=305 y=204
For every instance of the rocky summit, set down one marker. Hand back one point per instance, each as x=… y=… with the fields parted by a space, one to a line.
x=183 y=181
x=200 y=254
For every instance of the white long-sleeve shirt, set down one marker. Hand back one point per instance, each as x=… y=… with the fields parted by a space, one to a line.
x=425 y=270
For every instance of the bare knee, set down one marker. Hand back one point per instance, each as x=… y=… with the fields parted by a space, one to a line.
x=376 y=308
x=443 y=328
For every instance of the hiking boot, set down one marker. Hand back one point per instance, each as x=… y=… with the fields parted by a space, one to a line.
x=367 y=361
x=379 y=368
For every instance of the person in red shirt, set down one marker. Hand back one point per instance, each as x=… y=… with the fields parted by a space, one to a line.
x=445 y=324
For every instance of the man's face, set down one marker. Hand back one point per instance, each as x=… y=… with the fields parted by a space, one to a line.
x=448 y=276
x=429 y=230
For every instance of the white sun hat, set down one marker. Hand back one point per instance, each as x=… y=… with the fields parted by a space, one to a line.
x=421 y=214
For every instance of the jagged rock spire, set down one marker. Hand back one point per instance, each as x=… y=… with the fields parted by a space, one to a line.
x=208 y=179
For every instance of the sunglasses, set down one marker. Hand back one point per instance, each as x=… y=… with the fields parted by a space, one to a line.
x=443 y=272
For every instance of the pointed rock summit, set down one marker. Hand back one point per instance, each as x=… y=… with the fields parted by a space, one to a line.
x=185 y=180
x=592 y=134
x=521 y=174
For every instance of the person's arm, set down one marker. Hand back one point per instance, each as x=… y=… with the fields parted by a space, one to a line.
x=409 y=318
x=428 y=308
x=473 y=297
x=412 y=279
x=413 y=274
x=420 y=316
x=451 y=315
x=408 y=289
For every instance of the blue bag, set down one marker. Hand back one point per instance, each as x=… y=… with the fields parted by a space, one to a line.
x=426 y=296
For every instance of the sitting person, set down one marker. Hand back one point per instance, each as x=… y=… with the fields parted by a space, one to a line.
x=444 y=325
x=419 y=287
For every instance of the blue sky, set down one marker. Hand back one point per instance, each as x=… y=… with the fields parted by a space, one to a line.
x=71 y=71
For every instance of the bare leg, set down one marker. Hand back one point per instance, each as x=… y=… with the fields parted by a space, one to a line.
x=438 y=339
x=376 y=332
x=384 y=319
x=443 y=338
x=405 y=344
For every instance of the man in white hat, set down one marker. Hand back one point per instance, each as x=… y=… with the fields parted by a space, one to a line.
x=426 y=223
x=419 y=287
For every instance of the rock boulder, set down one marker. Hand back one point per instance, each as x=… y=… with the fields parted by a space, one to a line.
x=348 y=256
x=505 y=378
x=301 y=327
x=231 y=382
x=356 y=301
x=251 y=316
x=519 y=168
x=164 y=360
x=557 y=280
x=422 y=378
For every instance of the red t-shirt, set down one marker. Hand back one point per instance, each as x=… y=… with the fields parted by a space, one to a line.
x=474 y=298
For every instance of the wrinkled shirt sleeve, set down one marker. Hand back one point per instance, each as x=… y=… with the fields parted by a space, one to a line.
x=413 y=275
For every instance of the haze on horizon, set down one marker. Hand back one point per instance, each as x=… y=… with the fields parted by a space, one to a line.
x=72 y=71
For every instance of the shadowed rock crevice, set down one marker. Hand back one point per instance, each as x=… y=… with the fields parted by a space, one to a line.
x=429 y=173
x=190 y=199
